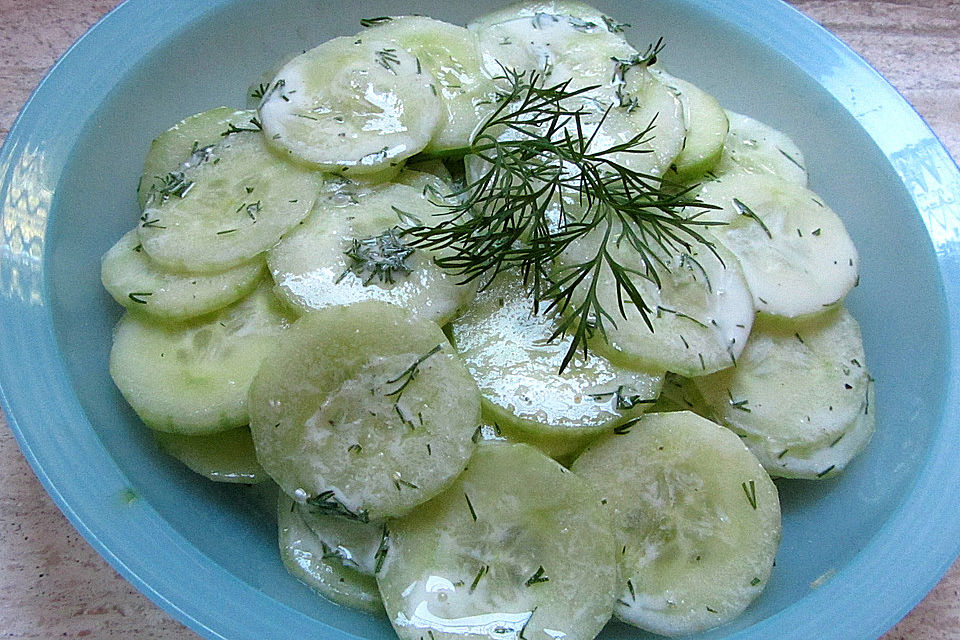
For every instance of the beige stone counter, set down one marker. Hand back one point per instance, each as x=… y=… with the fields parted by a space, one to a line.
x=53 y=585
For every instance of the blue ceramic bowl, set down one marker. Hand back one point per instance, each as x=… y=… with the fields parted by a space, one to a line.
x=876 y=539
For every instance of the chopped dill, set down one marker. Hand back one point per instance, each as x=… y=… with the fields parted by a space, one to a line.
x=540 y=575
x=327 y=503
x=379 y=257
x=751 y=492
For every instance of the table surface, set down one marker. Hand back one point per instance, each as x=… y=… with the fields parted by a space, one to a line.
x=52 y=584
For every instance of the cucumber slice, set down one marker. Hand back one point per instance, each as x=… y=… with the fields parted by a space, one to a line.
x=364 y=411
x=353 y=105
x=451 y=55
x=229 y=208
x=507 y=350
x=351 y=248
x=227 y=456
x=185 y=144
x=563 y=41
x=824 y=460
x=635 y=103
x=795 y=251
x=310 y=559
x=135 y=282
x=754 y=147
x=796 y=384
x=192 y=378
x=696 y=519
x=700 y=315
x=517 y=547
x=706 y=127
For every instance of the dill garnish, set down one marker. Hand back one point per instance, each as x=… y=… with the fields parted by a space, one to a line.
x=744 y=210
x=378 y=257
x=751 y=492
x=409 y=374
x=507 y=216
x=372 y=22
x=482 y=572
x=622 y=399
x=387 y=58
x=613 y=26
x=539 y=576
x=174 y=184
x=232 y=128
x=473 y=514
x=382 y=549
x=327 y=503
x=260 y=91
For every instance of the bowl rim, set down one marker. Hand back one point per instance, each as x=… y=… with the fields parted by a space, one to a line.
x=918 y=566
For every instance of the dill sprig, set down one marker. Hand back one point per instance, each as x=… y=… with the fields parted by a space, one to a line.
x=537 y=152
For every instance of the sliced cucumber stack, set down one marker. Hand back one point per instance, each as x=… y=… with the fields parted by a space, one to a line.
x=797 y=386
x=186 y=144
x=754 y=147
x=227 y=456
x=352 y=105
x=507 y=349
x=192 y=378
x=364 y=411
x=696 y=520
x=352 y=248
x=229 y=208
x=136 y=282
x=516 y=547
x=795 y=252
x=311 y=559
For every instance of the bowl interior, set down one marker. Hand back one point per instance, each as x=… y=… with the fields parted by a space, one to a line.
x=212 y=61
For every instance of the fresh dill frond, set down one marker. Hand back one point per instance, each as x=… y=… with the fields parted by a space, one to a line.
x=507 y=216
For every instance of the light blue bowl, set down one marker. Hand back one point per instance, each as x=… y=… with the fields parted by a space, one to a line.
x=886 y=530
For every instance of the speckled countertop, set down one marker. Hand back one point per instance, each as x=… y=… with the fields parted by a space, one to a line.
x=53 y=585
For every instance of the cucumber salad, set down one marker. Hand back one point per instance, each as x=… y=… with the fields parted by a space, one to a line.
x=520 y=324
